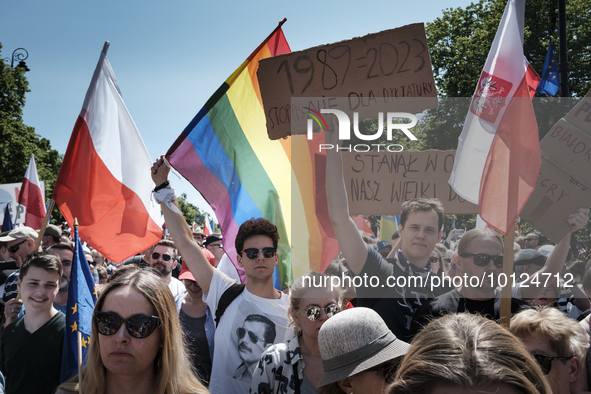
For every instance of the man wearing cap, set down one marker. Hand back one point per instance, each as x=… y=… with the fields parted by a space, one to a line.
x=213 y=243
x=384 y=248
x=163 y=260
x=20 y=242
x=52 y=236
x=197 y=324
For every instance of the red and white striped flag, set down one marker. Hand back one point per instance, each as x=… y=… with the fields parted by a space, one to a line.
x=498 y=158
x=105 y=178
x=32 y=197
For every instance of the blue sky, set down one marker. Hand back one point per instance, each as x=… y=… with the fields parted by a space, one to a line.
x=169 y=57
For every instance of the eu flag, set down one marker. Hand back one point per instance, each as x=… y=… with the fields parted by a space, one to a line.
x=81 y=299
x=549 y=82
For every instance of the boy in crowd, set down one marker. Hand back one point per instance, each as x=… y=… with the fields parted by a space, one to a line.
x=31 y=347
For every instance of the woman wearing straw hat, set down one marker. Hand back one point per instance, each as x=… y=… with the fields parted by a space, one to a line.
x=359 y=353
x=296 y=367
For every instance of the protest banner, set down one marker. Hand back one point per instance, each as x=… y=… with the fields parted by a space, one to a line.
x=564 y=183
x=379 y=182
x=386 y=71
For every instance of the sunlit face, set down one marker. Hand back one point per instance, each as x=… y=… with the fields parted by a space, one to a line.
x=193 y=289
x=38 y=289
x=25 y=246
x=261 y=268
x=159 y=264
x=490 y=272
x=121 y=353
x=419 y=236
x=216 y=249
x=321 y=298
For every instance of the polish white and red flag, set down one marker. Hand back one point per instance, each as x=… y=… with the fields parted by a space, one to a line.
x=31 y=196
x=105 y=179
x=498 y=157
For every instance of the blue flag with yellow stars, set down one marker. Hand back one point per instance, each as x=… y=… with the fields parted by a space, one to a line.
x=549 y=80
x=81 y=299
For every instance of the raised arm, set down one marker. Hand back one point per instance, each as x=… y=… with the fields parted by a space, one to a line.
x=557 y=258
x=181 y=234
x=352 y=245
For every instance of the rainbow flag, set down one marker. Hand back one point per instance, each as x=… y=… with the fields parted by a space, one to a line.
x=226 y=155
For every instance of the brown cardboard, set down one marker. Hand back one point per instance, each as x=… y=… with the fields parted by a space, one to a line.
x=377 y=72
x=557 y=195
x=379 y=182
x=564 y=182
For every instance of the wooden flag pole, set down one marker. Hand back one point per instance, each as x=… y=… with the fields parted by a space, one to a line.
x=44 y=225
x=508 y=259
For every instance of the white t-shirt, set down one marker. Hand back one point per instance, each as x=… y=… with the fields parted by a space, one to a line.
x=176 y=287
x=249 y=325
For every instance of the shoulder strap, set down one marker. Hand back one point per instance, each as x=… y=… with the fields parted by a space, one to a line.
x=226 y=299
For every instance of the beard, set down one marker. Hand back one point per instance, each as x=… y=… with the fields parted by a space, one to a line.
x=162 y=269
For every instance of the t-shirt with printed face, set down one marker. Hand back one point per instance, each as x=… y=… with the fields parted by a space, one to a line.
x=249 y=325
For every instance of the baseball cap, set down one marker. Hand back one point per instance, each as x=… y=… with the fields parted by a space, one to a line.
x=382 y=245
x=20 y=233
x=530 y=256
x=53 y=230
x=212 y=238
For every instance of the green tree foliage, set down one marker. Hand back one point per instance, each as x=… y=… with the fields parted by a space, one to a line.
x=17 y=140
x=190 y=211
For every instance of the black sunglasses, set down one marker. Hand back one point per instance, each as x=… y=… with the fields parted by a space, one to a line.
x=14 y=248
x=218 y=245
x=165 y=257
x=108 y=323
x=545 y=362
x=253 y=253
x=241 y=332
x=482 y=259
x=313 y=313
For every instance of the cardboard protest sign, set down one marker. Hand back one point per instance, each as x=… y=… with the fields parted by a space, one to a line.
x=564 y=184
x=386 y=71
x=379 y=182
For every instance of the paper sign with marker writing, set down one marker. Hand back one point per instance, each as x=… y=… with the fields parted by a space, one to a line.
x=564 y=184
x=379 y=182
x=377 y=72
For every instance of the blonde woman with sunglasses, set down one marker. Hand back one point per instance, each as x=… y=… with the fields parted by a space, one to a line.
x=136 y=345
x=296 y=366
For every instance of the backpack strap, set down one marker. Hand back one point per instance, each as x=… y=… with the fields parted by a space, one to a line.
x=226 y=299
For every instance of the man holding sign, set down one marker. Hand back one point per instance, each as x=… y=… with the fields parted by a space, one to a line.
x=404 y=282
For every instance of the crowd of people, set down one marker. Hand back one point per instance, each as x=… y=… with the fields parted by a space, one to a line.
x=180 y=317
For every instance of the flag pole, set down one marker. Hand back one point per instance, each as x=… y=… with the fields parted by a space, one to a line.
x=508 y=259
x=79 y=341
x=44 y=225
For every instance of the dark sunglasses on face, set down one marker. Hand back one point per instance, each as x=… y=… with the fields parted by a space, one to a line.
x=218 y=245
x=482 y=259
x=253 y=253
x=241 y=332
x=545 y=362
x=165 y=257
x=14 y=248
x=314 y=312
x=141 y=326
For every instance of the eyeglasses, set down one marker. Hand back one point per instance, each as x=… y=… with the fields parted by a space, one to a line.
x=482 y=259
x=433 y=260
x=14 y=248
x=313 y=313
x=545 y=362
x=241 y=332
x=191 y=283
x=108 y=323
x=253 y=253
x=165 y=257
